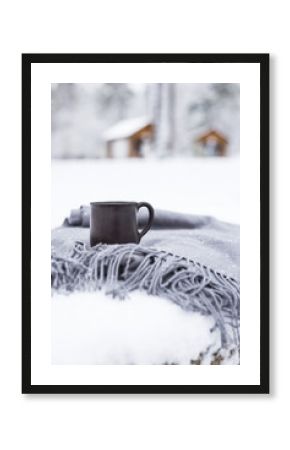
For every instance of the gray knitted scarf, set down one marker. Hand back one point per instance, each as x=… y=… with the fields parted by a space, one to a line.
x=191 y=260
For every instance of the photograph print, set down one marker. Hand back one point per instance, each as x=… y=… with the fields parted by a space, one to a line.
x=147 y=187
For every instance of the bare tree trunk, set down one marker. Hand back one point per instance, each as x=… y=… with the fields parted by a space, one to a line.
x=171 y=117
x=163 y=111
x=154 y=107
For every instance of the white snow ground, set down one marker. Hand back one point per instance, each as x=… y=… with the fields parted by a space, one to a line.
x=95 y=329
x=196 y=185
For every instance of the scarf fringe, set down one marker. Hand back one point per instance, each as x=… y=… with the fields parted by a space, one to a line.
x=120 y=269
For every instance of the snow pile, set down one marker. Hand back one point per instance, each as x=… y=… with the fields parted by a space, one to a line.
x=91 y=328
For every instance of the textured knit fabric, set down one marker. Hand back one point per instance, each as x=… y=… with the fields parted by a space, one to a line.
x=191 y=260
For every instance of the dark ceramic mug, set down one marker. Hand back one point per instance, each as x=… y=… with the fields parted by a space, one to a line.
x=116 y=222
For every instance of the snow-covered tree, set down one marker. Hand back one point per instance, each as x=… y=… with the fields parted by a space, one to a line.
x=63 y=98
x=212 y=100
x=114 y=100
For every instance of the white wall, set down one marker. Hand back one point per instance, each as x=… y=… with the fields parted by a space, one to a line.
x=120 y=148
x=152 y=422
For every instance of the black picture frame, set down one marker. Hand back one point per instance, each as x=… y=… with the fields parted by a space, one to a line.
x=263 y=61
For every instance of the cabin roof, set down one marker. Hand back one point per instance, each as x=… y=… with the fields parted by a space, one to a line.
x=126 y=128
x=220 y=136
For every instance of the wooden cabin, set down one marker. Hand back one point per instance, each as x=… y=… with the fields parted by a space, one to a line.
x=211 y=143
x=129 y=138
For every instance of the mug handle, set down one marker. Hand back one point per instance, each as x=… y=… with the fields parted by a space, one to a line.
x=151 y=217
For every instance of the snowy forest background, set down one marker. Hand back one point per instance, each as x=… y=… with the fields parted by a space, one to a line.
x=172 y=175
x=82 y=114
